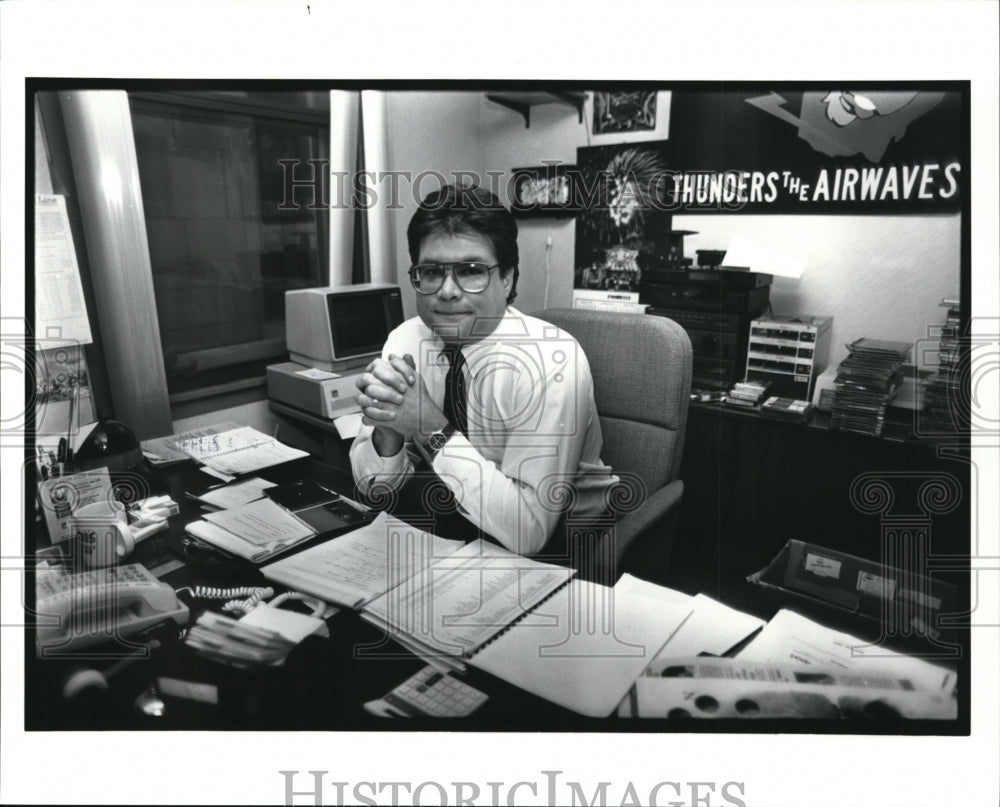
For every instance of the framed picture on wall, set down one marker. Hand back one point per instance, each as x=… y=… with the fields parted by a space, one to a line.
x=545 y=190
x=630 y=111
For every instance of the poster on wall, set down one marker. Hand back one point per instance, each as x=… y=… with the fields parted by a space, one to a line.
x=621 y=193
x=827 y=149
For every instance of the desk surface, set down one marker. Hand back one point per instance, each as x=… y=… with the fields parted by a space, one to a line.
x=325 y=682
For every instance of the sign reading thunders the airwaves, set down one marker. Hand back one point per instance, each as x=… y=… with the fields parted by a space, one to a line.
x=827 y=150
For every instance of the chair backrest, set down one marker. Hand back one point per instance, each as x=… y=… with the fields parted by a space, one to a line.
x=641 y=366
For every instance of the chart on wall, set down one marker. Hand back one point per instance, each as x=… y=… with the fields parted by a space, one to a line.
x=827 y=149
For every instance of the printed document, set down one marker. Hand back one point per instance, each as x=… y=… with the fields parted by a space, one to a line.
x=262 y=523
x=790 y=637
x=362 y=564
x=463 y=600
x=712 y=628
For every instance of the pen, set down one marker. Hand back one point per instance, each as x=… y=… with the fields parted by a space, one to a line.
x=69 y=429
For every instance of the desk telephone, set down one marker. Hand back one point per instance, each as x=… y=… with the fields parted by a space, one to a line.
x=101 y=605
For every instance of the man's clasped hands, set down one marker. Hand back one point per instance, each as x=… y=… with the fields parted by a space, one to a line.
x=395 y=401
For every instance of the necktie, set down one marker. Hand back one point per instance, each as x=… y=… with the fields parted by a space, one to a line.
x=455 y=396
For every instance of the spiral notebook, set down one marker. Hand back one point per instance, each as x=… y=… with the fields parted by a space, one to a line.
x=457 y=605
x=439 y=598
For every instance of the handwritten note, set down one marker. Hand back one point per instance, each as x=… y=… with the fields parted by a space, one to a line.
x=237 y=451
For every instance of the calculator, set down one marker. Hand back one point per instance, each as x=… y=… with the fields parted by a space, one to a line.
x=429 y=692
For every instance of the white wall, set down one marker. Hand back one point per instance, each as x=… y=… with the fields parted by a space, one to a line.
x=428 y=131
x=878 y=276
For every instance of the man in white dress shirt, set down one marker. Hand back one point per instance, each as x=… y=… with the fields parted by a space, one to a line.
x=496 y=405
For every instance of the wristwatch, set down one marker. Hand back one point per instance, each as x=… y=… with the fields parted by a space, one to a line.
x=437 y=439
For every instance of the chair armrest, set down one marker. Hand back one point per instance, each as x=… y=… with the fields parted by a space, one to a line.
x=609 y=552
x=634 y=524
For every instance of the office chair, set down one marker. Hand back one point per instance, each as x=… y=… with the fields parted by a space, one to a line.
x=641 y=366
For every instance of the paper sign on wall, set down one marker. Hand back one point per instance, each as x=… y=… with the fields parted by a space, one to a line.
x=60 y=311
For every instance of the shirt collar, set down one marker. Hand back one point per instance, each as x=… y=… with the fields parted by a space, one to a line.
x=509 y=325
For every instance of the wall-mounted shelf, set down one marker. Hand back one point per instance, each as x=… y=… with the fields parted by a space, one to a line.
x=523 y=101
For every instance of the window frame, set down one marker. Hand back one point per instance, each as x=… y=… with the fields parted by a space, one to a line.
x=208 y=396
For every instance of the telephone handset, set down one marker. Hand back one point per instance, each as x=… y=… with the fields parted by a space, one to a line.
x=101 y=605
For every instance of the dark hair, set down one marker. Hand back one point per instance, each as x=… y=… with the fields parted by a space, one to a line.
x=467 y=210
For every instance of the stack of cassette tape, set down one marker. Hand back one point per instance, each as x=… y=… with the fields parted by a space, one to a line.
x=867 y=381
x=943 y=412
x=787 y=409
x=747 y=394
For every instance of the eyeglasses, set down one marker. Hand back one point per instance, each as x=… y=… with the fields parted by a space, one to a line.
x=472 y=277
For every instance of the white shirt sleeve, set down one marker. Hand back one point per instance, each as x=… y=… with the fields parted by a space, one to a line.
x=367 y=465
x=519 y=499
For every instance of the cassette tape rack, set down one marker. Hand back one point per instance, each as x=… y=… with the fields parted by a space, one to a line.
x=790 y=352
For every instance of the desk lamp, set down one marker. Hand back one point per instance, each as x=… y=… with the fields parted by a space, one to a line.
x=110 y=445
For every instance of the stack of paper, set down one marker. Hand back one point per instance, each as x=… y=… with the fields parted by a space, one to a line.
x=221 y=638
x=255 y=531
x=163 y=450
x=236 y=494
x=710 y=629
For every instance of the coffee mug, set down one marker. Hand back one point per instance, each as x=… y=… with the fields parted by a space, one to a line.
x=101 y=534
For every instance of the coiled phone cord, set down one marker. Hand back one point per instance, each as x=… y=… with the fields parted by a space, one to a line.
x=241 y=600
x=318 y=606
x=245 y=599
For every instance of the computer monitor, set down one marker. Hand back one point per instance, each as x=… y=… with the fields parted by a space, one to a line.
x=338 y=328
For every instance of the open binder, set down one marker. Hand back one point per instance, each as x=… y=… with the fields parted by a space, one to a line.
x=438 y=597
x=578 y=644
x=462 y=602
